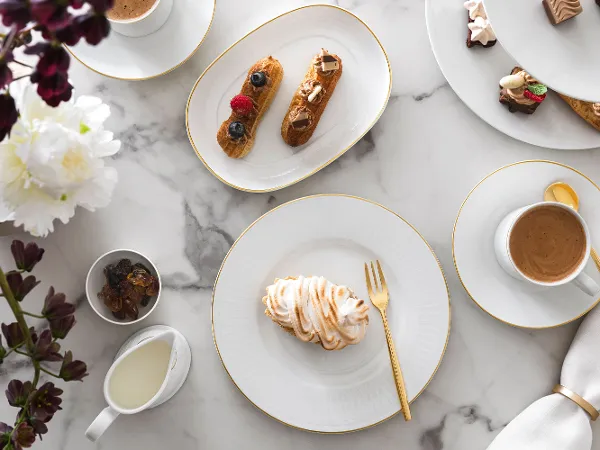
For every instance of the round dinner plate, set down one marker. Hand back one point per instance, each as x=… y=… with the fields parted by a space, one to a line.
x=293 y=38
x=140 y=58
x=565 y=56
x=505 y=298
x=299 y=383
x=474 y=74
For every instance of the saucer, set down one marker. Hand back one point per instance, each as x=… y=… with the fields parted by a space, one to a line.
x=293 y=38
x=299 y=383
x=156 y=54
x=512 y=301
x=565 y=56
x=474 y=74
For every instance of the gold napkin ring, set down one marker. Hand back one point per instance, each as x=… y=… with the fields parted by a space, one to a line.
x=579 y=400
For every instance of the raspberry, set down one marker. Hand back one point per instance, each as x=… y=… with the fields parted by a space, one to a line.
x=242 y=105
x=536 y=98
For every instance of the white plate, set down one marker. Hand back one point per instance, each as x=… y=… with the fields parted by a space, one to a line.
x=293 y=38
x=301 y=384
x=474 y=74
x=497 y=293
x=564 y=56
x=158 y=53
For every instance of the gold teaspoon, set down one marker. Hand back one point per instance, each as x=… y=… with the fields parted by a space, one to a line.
x=565 y=194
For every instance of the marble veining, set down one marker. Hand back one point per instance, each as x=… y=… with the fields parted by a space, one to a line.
x=421 y=159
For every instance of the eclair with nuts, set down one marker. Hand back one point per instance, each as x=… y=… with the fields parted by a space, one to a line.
x=311 y=98
x=236 y=135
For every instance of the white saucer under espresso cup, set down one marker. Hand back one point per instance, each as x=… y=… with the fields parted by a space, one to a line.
x=503 y=255
x=145 y=24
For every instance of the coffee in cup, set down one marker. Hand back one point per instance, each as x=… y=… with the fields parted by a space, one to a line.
x=129 y=9
x=137 y=18
x=545 y=244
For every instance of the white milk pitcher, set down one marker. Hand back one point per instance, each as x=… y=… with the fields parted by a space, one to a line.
x=148 y=370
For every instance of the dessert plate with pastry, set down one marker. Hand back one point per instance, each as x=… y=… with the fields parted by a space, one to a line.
x=555 y=40
x=463 y=40
x=294 y=326
x=288 y=98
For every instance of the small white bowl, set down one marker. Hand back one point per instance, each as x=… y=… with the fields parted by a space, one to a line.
x=95 y=280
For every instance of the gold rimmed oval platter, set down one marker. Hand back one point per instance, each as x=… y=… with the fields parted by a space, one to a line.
x=293 y=38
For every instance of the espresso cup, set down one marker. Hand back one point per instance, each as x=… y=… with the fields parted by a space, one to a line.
x=145 y=24
x=506 y=261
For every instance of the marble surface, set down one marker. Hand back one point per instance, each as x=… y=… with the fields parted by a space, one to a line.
x=421 y=159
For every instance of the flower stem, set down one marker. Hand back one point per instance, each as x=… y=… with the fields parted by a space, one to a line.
x=49 y=373
x=21 y=77
x=22 y=64
x=37 y=316
x=22 y=353
x=7 y=44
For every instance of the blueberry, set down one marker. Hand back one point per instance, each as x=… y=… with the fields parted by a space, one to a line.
x=258 y=79
x=236 y=130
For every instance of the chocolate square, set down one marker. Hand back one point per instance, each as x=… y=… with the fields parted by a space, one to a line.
x=560 y=10
x=328 y=63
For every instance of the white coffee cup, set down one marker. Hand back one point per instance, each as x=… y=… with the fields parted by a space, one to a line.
x=145 y=24
x=502 y=248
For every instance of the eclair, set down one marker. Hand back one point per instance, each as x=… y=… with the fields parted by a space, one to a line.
x=311 y=98
x=236 y=135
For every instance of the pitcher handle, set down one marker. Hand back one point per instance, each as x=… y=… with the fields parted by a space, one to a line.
x=101 y=423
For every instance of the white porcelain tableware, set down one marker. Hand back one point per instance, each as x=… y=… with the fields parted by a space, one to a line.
x=145 y=24
x=175 y=373
x=565 y=56
x=499 y=294
x=293 y=38
x=474 y=74
x=155 y=54
x=505 y=259
x=299 y=383
x=95 y=280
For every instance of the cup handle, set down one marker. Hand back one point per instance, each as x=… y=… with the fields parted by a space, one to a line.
x=101 y=423
x=586 y=284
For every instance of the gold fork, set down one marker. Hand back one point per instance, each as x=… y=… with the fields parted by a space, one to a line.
x=379 y=297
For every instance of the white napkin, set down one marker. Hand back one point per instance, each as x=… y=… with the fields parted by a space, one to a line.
x=556 y=422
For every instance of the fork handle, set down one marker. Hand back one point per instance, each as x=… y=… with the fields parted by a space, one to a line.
x=596 y=258
x=398 y=378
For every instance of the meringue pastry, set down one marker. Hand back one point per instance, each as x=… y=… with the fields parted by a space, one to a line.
x=315 y=310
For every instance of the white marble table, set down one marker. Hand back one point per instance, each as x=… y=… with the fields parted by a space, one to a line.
x=421 y=159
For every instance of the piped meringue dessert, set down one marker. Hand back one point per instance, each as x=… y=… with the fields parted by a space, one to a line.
x=315 y=310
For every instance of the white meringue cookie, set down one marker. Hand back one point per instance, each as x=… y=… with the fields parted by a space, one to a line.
x=481 y=30
x=475 y=8
x=318 y=311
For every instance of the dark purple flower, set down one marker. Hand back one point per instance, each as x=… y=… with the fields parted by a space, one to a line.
x=6 y=75
x=61 y=327
x=53 y=89
x=69 y=35
x=45 y=401
x=45 y=349
x=50 y=13
x=15 y=12
x=2 y=351
x=94 y=27
x=13 y=334
x=102 y=6
x=72 y=370
x=39 y=423
x=20 y=287
x=55 y=306
x=8 y=114
x=76 y=3
x=26 y=256
x=5 y=431
x=18 y=392
x=24 y=436
x=55 y=59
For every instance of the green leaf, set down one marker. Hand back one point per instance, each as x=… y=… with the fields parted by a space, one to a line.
x=537 y=89
x=83 y=128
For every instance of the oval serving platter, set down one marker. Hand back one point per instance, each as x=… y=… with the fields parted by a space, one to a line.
x=293 y=38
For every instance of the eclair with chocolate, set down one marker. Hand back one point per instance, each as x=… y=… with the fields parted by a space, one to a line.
x=236 y=135
x=311 y=98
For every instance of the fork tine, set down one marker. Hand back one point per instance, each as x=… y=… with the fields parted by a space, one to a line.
x=368 y=278
x=374 y=276
x=381 y=277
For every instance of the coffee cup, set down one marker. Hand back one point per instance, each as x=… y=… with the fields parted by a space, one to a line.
x=566 y=263
x=144 y=24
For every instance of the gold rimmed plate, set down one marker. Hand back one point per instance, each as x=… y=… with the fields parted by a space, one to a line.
x=298 y=383
x=142 y=58
x=293 y=38
x=509 y=300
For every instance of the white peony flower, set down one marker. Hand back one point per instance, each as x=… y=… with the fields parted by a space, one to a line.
x=53 y=160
